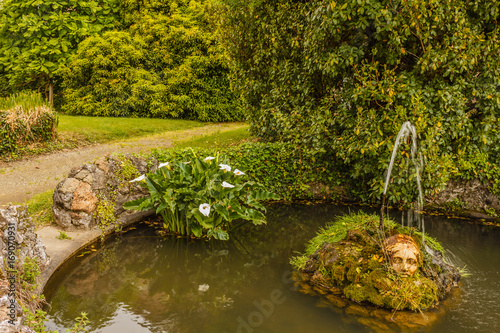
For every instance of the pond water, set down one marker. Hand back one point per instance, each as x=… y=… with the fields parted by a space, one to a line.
x=140 y=282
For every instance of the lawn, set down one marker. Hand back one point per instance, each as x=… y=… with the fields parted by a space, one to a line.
x=103 y=129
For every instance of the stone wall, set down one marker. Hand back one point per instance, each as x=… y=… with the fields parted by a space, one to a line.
x=17 y=234
x=93 y=193
x=470 y=198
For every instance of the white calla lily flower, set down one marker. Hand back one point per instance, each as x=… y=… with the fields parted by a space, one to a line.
x=225 y=167
x=208 y=158
x=205 y=209
x=162 y=165
x=227 y=185
x=238 y=172
x=203 y=287
x=138 y=179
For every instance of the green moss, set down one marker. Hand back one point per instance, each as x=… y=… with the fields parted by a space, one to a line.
x=127 y=169
x=105 y=213
x=360 y=269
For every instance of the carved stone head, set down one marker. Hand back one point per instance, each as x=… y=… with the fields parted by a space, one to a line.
x=404 y=254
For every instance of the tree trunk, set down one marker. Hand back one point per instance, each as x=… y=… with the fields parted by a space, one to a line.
x=51 y=93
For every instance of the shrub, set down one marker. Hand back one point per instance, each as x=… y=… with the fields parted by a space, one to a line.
x=345 y=75
x=25 y=118
x=168 y=64
x=106 y=78
x=282 y=168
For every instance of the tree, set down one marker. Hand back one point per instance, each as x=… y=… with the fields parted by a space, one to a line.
x=38 y=36
x=181 y=72
x=344 y=75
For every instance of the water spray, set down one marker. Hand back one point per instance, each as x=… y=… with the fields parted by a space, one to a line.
x=407 y=130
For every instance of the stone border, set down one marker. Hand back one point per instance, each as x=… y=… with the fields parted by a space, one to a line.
x=60 y=251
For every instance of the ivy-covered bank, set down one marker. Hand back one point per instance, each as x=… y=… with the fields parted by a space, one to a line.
x=344 y=75
x=301 y=173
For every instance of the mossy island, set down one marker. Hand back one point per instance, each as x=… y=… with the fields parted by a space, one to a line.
x=350 y=261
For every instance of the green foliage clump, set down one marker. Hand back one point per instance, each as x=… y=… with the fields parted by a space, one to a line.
x=105 y=213
x=359 y=268
x=37 y=37
x=202 y=196
x=167 y=64
x=25 y=118
x=106 y=78
x=345 y=75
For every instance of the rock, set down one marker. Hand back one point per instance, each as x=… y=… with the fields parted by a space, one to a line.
x=104 y=183
x=17 y=233
x=84 y=199
x=26 y=241
x=354 y=267
x=470 y=198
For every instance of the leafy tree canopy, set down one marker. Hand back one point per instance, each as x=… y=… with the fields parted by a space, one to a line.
x=38 y=36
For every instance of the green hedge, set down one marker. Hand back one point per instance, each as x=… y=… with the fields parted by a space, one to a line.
x=25 y=118
x=282 y=168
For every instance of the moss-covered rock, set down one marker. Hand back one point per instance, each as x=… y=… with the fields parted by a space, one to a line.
x=348 y=258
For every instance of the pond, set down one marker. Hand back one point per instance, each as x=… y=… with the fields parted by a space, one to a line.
x=140 y=282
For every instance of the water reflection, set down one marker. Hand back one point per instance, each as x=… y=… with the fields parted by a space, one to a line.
x=144 y=283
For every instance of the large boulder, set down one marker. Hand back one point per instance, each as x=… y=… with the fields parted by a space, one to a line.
x=94 y=193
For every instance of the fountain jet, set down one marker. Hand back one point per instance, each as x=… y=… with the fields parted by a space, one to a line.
x=407 y=130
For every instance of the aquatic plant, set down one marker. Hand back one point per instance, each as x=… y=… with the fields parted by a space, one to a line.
x=202 y=197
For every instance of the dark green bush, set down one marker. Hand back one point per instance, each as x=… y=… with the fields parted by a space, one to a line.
x=345 y=75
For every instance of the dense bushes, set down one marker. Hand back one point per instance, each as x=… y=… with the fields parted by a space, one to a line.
x=143 y=58
x=344 y=75
x=25 y=118
x=282 y=168
x=167 y=64
x=106 y=78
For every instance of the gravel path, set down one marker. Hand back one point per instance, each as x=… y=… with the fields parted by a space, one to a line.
x=19 y=181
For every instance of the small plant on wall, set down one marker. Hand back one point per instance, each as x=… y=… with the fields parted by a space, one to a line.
x=202 y=197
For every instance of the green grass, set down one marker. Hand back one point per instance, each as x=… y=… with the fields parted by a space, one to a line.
x=219 y=140
x=40 y=208
x=103 y=129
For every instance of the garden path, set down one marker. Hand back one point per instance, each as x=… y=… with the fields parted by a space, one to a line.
x=21 y=180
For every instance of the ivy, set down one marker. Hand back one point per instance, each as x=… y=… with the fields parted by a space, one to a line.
x=343 y=76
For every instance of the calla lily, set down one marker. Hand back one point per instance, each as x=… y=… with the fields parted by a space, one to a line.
x=205 y=209
x=138 y=179
x=225 y=167
x=208 y=158
x=162 y=165
x=226 y=184
x=203 y=287
x=238 y=172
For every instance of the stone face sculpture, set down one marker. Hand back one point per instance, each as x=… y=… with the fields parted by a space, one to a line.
x=404 y=254
x=350 y=260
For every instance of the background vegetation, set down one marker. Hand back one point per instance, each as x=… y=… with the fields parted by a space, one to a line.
x=153 y=58
x=342 y=76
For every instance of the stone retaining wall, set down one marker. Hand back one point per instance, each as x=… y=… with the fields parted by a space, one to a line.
x=17 y=235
